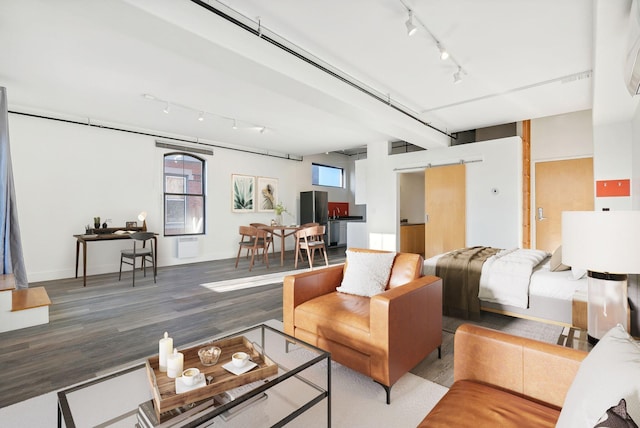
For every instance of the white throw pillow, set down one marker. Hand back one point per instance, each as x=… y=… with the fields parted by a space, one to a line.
x=577 y=273
x=610 y=372
x=367 y=274
x=556 y=261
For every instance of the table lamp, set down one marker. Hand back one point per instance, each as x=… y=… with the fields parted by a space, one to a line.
x=607 y=245
x=143 y=218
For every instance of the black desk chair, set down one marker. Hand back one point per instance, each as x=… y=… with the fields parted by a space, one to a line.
x=130 y=256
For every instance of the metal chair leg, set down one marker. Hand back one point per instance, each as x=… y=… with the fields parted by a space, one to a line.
x=387 y=390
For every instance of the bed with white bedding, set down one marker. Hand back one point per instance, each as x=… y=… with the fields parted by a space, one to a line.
x=519 y=283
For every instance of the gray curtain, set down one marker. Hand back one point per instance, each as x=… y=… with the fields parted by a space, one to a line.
x=11 y=249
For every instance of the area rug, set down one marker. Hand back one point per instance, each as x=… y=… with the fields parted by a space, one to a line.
x=356 y=401
x=517 y=326
x=252 y=281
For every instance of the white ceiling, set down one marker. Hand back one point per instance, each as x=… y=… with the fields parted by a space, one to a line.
x=92 y=60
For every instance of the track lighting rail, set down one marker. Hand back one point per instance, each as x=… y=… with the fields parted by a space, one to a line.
x=260 y=32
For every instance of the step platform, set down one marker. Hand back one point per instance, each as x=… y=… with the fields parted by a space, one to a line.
x=26 y=307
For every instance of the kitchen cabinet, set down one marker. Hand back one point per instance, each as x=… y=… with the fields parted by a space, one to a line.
x=342 y=239
x=412 y=238
x=338 y=230
x=337 y=233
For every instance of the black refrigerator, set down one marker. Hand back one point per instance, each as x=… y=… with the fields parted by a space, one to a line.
x=314 y=208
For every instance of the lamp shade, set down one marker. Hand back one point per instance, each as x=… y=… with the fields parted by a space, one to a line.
x=142 y=216
x=602 y=241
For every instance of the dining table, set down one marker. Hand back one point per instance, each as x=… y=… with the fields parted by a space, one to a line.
x=282 y=231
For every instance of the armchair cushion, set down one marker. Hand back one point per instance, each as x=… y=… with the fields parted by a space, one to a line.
x=366 y=274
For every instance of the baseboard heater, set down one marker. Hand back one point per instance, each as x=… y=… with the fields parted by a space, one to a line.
x=187 y=247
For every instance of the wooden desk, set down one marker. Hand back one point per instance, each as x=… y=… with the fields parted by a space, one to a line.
x=282 y=232
x=83 y=239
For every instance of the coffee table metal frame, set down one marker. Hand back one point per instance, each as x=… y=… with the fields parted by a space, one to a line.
x=65 y=411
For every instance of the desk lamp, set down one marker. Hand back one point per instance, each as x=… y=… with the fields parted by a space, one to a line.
x=607 y=245
x=143 y=218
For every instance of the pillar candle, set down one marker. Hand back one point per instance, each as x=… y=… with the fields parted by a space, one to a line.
x=165 y=347
x=175 y=363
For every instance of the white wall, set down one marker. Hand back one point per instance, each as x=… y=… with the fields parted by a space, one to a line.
x=564 y=136
x=492 y=219
x=66 y=174
x=635 y=160
x=612 y=160
x=412 y=197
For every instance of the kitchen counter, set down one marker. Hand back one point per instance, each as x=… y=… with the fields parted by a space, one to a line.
x=337 y=233
x=348 y=218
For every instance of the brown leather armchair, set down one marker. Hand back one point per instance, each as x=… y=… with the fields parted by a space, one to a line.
x=383 y=336
x=501 y=380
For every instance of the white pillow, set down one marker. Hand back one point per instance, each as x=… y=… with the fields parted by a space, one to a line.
x=367 y=274
x=577 y=273
x=610 y=372
x=556 y=261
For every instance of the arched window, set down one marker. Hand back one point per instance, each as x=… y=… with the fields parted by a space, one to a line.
x=184 y=192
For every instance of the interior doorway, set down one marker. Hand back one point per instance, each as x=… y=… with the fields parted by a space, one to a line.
x=445 y=206
x=411 y=212
x=564 y=185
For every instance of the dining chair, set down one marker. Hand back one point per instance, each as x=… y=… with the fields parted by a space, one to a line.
x=311 y=239
x=139 y=251
x=253 y=240
x=309 y=225
x=269 y=235
x=303 y=226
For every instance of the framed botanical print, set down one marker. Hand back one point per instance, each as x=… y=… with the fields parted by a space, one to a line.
x=242 y=193
x=267 y=196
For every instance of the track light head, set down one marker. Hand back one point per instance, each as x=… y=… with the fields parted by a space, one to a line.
x=457 y=76
x=235 y=125
x=166 y=108
x=443 y=52
x=411 y=29
x=201 y=116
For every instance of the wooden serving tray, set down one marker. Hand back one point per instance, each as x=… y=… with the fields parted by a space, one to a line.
x=163 y=387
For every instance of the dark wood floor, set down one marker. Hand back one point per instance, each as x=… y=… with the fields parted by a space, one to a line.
x=109 y=324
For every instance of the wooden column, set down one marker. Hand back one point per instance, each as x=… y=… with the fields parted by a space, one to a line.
x=526 y=184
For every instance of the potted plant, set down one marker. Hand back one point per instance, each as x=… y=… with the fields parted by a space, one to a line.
x=279 y=209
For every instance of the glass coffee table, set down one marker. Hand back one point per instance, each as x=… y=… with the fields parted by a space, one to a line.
x=302 y=381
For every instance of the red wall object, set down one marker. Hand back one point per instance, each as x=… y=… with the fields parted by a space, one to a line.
x=342 y=206
x=613 y=188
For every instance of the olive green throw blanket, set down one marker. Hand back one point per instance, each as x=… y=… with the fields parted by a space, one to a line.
x=460 y=272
